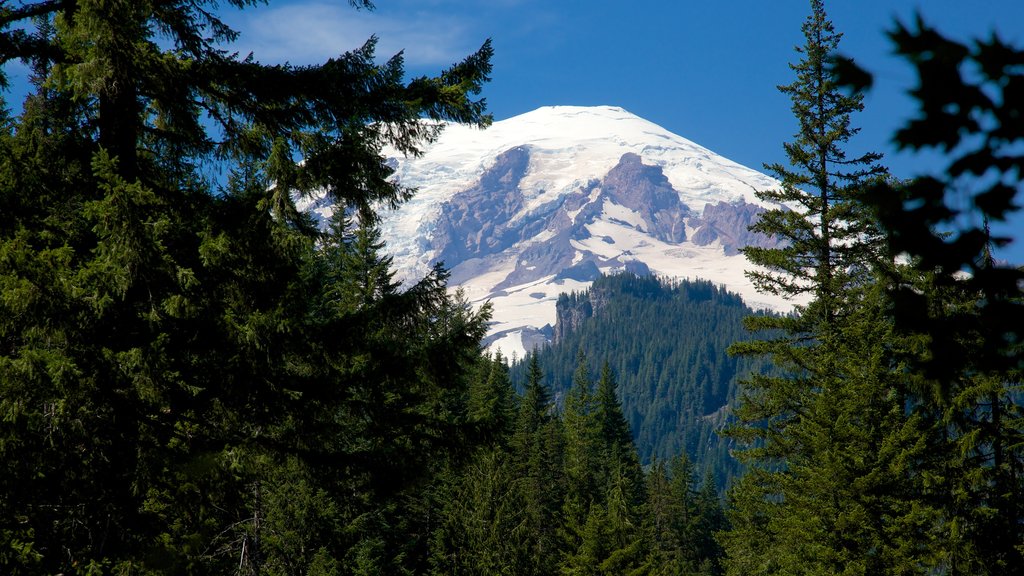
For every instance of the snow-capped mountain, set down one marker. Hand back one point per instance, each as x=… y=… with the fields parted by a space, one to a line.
x=544 y=202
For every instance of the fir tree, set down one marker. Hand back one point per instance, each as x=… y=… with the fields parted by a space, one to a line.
x=831 y=238
x=539 y=445
x=167 y=368
x=829 y=432
x=967 y=364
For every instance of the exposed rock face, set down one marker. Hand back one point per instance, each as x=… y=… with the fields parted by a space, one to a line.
x=645 y=189
x=585 y=271
x=478 y=221
x=638 y=268
x=570 y=312
x=729 y=223
x=529 y=208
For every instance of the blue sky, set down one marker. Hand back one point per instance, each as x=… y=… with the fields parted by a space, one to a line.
x=705 y=70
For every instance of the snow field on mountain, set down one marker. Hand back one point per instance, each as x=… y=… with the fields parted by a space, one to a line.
x=570 y=149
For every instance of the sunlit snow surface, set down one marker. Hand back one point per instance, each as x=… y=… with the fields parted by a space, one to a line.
x=569 y=146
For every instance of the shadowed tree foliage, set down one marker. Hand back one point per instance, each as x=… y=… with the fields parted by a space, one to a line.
x=825 y=434
x=963 y=306
x=192 y=378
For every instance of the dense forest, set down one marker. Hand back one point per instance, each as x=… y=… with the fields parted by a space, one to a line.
x=196 y=380
x=667 y=342
x=562 y=491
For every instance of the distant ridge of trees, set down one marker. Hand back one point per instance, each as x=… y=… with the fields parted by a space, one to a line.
x=667 y=341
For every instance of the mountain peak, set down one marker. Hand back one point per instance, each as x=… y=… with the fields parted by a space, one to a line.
x=539 y=203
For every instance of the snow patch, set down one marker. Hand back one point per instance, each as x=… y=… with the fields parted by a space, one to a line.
x=612 y=211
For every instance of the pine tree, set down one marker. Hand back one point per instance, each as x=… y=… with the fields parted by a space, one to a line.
x=605 y=528
x=538 y=443
x=582 y=455
x=619 y=464
x=492 y=400
x=831 y=238
x=967 y=364
x=684 y=519
x=483 y=527
x=832 y=242
x=165 y=366
x=830 y=432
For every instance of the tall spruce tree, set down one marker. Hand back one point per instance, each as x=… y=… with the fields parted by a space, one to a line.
x=539 y=445
x=168 y=373
x=827 y=435
x=832 y=242
x=831 y=238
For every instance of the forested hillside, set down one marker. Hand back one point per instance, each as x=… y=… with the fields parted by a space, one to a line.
x=667 y=343
x=561 y=490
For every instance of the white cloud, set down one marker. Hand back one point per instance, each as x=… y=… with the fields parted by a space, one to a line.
x=311 y=32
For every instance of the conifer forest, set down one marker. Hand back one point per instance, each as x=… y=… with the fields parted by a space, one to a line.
x=197 y=379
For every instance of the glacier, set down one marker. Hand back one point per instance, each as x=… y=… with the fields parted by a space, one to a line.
x=539 y=204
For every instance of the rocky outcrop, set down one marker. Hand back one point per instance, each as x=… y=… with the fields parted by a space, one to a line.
x=637 y=268
x=645 y=190
x=571 y=311
x=585 y=271
x=730 y=223
x=640 y=188
x=479 y=221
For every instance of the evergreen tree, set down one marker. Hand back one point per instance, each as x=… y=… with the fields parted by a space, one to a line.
x=830 y=432
x=967 y=365
x=582 y=455
x=614 y=430
x=831 y=238
x=539 y=445
x=620 y=468
x=484 y=527
x=492 y=400
x=168 y=372
x=685 y=520
x=605 y=527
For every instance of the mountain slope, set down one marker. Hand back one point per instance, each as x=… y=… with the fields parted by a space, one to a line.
x=666 y=344
x=545 y=202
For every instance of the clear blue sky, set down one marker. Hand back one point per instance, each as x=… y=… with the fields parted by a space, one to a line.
x=705 y=70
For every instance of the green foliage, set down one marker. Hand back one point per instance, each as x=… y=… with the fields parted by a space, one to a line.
x=192 y=378
x=565 y=494
x=667 y=343
x=685 y=519
x=962 y=307
x=827 y=436
x=831 y=239
x=894 y=448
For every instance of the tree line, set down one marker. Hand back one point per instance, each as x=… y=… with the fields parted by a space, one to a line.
x=667 y=341
x=561 y=490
